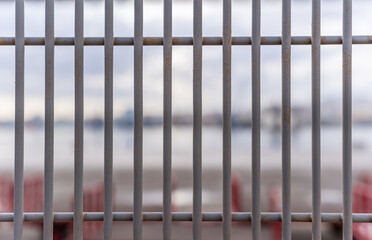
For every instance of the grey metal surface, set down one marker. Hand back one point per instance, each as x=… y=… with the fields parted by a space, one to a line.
x=197 y=120
x=186 y=41
x=315 y=107
x=49 y=121
x=256 y=119
x=167 y=121
x=347 y=225
x=19 y=119
x=138 y=119
x=187 y=217
x=108 y=122
x=226 y=123
x=79 y=120
x=286 y=119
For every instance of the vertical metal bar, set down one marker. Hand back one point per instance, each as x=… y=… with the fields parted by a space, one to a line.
x=79 y=120
x=315 y=108
x=197 y=119
x=49 y=120
x=346 y=119
x=256 y=119
x=108 y=125
x=167 y=121
x=19 y=120
x=138 y=119
x=226 y=152
x=286 y=119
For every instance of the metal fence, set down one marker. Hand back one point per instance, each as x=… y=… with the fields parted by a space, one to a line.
x=196 y=41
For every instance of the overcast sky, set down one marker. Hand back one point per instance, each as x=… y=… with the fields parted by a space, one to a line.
x=182 y=57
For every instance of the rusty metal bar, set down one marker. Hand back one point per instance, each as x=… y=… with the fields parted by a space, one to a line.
x=226 y=134
x=19 y=119
x=187 y=217
x=79 y=120
x=256 y=119
x=197 y=119
x=286 y=119
x=315 y=106
x=167 y=121
x=138 y=119
x=49 y=120
x=186 y=41
x=108 y=124
x=347 y=226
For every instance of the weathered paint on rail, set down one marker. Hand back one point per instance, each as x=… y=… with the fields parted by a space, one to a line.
x=256 y=119
x=197 y=119
x=187 y=41
x=187 y=217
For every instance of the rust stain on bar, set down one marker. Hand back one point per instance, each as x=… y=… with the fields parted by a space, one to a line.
x=187 y=41
x=154 y=41
x=187 y=217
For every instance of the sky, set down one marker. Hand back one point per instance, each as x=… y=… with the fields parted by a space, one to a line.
x=331 y=64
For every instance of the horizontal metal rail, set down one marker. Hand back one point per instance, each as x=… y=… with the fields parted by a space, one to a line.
x=187 y=217
x=186 y=41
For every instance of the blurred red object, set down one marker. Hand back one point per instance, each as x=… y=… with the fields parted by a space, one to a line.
x=362 y=203
x=275 y=201
x=6 y=195
x=236 y=193
x=93 y=201
x=33 y=194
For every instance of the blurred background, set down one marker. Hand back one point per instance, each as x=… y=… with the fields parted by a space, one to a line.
x=331 y=95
